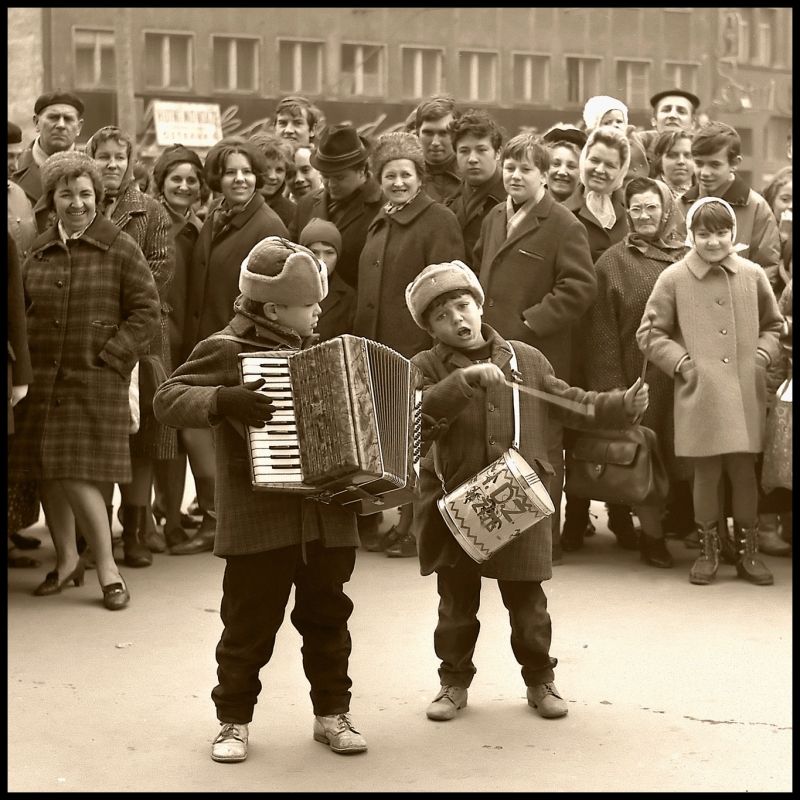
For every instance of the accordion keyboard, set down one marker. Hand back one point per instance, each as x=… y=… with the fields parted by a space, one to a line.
x=275 y=448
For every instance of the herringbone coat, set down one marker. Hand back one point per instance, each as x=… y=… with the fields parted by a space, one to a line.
x=92 y=311
x=149 y=224
x=543 y=275
x=480 y=430
x=718 y=315
x=248 y=521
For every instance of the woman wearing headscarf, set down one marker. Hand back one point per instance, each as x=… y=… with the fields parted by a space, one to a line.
x=604 y=110
x=178 y=181
x=92 y=311
x=626 y=274
x=148 y=223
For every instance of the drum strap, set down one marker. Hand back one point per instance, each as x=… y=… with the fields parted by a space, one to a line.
x=437 y=462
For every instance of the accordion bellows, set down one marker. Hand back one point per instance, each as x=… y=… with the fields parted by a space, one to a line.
x=347 y=427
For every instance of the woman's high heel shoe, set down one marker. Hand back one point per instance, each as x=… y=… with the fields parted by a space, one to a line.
x=52 y=585
x=116 y=596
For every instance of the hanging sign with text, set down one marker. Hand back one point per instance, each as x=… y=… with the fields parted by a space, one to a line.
x=191 y=124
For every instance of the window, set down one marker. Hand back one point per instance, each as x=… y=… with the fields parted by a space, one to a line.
x=681 y=76
x=633 y=83
x=778 y=133
x=478 y=76
x=531 y=78
x=422 y=72
x=362 y=70
x=764 y=44
x=300 y=67
x=168 y=60
x=95 y=65
x=583 y=79
x=235 y=64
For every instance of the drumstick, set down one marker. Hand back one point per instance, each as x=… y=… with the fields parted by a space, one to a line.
x=572 y=405
x=651 y=319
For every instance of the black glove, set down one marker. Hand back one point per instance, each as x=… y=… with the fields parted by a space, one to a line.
x=245 y=404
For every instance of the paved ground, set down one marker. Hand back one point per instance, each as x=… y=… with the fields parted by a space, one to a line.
x=672 y=687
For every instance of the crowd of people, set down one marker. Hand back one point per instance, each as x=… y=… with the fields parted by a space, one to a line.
x=132 y=289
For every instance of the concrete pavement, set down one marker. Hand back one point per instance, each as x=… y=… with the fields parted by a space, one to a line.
x=672 y=687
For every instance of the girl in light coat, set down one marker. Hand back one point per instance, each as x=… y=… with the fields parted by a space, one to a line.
x=715 y=328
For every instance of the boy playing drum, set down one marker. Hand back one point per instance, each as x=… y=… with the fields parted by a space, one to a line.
x=466 y=395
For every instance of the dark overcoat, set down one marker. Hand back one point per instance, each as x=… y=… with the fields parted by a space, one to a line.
x=20 y=372
x=248 y=521
x=29 y=177
x=149 y=224
x=399 y=246
x=600 y=238
x=718 y=315
x=542 y=275
x=92 y=310
x=625 y=278
x=216 y=263
x=480 y=430
x=283 y=207
x=471 y=207
x=351 y=217
x=338 y=309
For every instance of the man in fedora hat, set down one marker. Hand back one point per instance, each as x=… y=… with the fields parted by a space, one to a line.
x=58 y=117
x=673 y=110
x=349 y=198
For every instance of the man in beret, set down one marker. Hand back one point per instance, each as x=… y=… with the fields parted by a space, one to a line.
x=349 y=197
x=673 y=110
x=58 y=117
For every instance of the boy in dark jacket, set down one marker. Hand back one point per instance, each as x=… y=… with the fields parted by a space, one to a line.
x=466 y=396
x=270 y=541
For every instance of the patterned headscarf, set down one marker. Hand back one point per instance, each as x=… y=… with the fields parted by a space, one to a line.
x=667 y=236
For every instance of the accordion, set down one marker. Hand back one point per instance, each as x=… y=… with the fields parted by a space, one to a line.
x=347 y=426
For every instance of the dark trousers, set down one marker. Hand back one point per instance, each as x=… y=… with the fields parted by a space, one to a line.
x=255 y=592
x=457 y=630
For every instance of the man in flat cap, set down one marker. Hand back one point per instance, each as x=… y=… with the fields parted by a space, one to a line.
x=58 y=117
x=673 y=110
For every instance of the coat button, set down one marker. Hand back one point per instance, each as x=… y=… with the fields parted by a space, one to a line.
x=725 y=360
x=724 y=332
x=720 y=302
x=55 y=362
x=58 y=401
x=491 y=440
x=491 y=406
x=56 y=323
x=491 y=302
x=59 y=284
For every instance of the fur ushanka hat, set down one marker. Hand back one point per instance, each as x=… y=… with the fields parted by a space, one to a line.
x=434 y=281
x=279 y=271
x=397 y=144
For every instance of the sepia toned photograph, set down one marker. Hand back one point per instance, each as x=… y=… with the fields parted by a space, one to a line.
x=416 y=384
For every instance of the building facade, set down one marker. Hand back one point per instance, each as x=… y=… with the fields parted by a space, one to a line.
x=531 y=67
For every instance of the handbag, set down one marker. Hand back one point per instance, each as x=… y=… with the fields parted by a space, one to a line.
x=618 y=466
x=488 y=511
x=776 y=470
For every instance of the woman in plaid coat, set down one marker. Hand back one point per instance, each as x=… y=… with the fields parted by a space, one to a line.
x=148 y=223
x=92 y=310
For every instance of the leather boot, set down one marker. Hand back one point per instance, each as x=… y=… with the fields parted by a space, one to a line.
x=134 y=536
x=786 y=525
x=769 y=542
x=576 y=524
x=748 y=566
x=705 y=568
x=154 y=539
x=620 y=524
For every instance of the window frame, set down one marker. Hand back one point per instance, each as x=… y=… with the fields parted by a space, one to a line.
x=383 y=73
x=214 y=37
x=190 y=35
x=474 y=78
x=441 y=67
x=96 y=84
x=669 y=65
x=648 y=63
x=599 y=60
x=547 y=78
x=321 y=43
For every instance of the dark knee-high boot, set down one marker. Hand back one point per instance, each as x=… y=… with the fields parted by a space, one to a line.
x=134 y=536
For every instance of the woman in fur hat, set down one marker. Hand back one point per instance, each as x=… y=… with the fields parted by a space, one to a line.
x=410 y=232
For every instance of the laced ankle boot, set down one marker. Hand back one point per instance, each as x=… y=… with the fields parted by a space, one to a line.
x=705 y=568
x=134 y=535
x=748 y=566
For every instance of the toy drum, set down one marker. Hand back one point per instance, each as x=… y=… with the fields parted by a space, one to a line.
x=501 y=502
